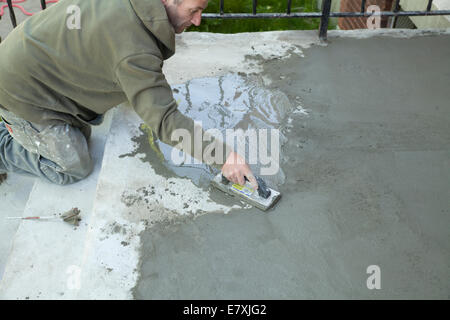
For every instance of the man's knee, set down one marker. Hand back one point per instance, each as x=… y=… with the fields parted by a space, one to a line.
x=69 y=179
x=67 y=147
x=83 y=171
x=58 y=152
x=57 y=175
x=65 y=152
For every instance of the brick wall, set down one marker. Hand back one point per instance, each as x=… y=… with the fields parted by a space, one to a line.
x=355 y=6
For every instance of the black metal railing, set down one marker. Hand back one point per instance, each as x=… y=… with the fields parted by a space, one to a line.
x=324 y=15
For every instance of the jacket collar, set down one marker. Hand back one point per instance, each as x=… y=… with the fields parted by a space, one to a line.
x=153 y=15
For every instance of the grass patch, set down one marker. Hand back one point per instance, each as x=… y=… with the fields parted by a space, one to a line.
x=257 y=25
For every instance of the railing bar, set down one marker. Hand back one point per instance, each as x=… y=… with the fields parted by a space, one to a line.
x=12 y=15
x=221 y=6
x=363 y=6
x=326 y=6
x=430 y=2
x=289 y=3
x=319 y=14
x=396 y=9
x=389 y=14
x=43 y=5
x=260 y=15
x=255 y=3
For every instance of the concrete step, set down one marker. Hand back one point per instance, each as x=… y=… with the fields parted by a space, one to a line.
x=44 y=253
x=130 y=196
x=14 y=194
x=99 y=258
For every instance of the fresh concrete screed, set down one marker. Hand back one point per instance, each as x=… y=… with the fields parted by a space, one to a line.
x=365 y=178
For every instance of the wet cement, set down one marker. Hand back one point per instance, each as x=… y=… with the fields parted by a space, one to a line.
x=232 y=101
x=367 y=183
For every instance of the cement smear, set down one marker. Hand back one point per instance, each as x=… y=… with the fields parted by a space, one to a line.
x=367 y=165
x=232 y=101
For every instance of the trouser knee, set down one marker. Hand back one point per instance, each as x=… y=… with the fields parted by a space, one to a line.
x=58 y=152
x=57 y=175
x=69 y=156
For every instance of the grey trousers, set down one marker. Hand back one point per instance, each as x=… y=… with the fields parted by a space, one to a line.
x=57 y=153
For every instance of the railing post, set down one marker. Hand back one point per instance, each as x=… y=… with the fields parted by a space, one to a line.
x=363 y=6
x=396 y=9
x=288 y=10
x=43 y=5
x=326 y=7
x=11 y=13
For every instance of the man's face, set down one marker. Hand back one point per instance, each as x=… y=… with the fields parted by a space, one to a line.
x=184 y=13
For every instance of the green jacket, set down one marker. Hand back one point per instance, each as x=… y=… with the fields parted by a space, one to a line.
x=49 y=72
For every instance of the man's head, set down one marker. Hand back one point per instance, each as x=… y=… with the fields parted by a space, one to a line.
x=183 y=13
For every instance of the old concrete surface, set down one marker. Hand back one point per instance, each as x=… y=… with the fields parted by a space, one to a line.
x=367 y=183
x=130 y=196
x=16 y=189
x=14 y=192
x=46 y=255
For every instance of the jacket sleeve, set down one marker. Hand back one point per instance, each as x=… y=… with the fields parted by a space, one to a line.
x=148 y=92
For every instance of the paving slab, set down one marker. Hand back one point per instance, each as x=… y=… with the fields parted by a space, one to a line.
x=45 y=254
x=14 y=193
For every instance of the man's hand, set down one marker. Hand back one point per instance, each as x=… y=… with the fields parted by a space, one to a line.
x=235 y=169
